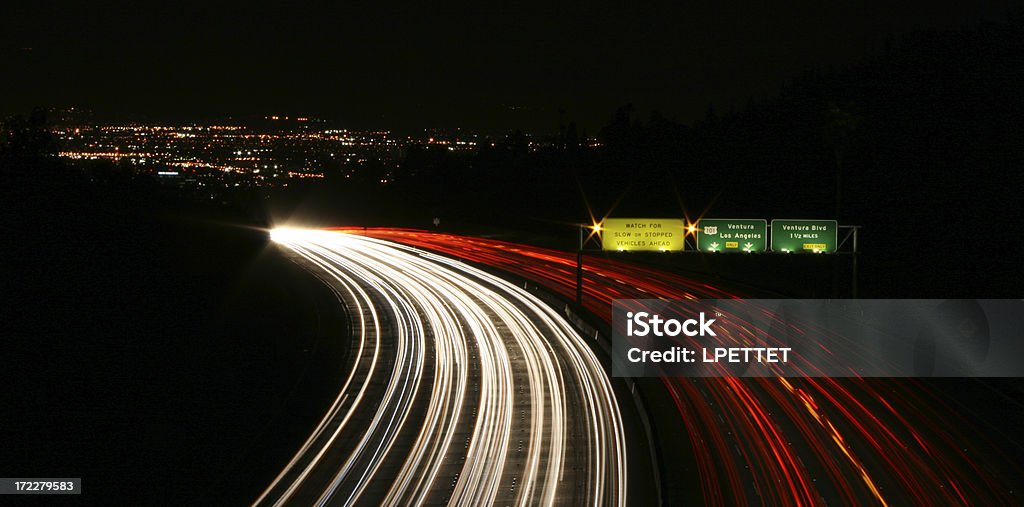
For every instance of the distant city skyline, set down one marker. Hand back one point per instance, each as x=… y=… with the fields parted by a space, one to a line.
x=529 y=67
x=85 y=116
x=267 y=152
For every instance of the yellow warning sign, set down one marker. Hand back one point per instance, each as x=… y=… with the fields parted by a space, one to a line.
x=658 y=234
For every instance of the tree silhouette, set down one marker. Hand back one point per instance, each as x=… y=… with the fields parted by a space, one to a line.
x=841 y=123
x=24 y=142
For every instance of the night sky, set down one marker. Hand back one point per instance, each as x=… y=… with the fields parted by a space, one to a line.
x=376 y=64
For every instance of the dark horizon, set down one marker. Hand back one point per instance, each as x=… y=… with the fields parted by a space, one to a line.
x=528 y=68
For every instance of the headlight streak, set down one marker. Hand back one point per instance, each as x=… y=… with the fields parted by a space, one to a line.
x=355 y=298
x=474 y=352
x=874 y=440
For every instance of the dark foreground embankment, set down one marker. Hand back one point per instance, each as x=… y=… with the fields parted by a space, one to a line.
x=165 y=360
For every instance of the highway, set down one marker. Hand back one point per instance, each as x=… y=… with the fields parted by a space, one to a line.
x=460 y=389
x=776 y=441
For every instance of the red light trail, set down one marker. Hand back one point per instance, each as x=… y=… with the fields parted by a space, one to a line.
x=773 y=441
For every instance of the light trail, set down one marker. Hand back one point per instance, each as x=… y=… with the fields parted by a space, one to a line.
x=462 y=389
x=776 y=441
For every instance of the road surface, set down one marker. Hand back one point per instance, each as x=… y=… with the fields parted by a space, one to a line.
x=461 y=389
x=777 y=441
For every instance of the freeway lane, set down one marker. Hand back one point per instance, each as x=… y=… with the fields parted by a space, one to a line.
x=778 y=441
x=461 y=389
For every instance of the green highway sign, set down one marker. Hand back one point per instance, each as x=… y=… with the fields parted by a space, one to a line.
x=636 y=234
x=732 y=235
x=804 y=236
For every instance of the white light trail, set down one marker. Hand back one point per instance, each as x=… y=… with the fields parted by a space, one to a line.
x=463 y=389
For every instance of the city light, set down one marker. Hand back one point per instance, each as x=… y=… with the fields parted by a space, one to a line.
x=229 y=156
